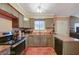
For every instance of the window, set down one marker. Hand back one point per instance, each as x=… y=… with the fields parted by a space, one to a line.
x=39 y=25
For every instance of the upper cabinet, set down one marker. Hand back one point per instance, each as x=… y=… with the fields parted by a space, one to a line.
x=14 y=12
x=49 y=23
x=17 y=21
x=6 y=7
x=21 y=19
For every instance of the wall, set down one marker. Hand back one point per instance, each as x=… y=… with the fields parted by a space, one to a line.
x=26 y=24
x=48 y=22
x=5 y=25
x=62 y=26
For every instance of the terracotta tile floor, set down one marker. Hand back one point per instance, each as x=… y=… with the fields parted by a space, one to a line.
x=40 y=51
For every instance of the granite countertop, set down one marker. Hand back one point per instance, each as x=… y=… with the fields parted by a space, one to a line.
x=4 y=47
x=45 y=32
x=66 y=38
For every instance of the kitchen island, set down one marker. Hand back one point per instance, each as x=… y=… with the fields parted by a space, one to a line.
x=65 y=45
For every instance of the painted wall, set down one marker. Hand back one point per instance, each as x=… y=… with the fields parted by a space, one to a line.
x=5 y=25
x=48 y=22
x=62 y=26
x=26 y=24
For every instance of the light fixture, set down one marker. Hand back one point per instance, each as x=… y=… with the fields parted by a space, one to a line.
x=26 y=19
x=39 y=9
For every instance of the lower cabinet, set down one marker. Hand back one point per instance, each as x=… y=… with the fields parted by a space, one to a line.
x=43 y=41
x=18 y=49
x=58 y=46
x=65 y=47
x=40 y=40
x=33 y=40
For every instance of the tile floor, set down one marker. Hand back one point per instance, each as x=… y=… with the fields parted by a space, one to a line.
x=40 y=51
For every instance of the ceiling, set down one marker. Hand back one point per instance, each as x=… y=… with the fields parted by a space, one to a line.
x=51 y=9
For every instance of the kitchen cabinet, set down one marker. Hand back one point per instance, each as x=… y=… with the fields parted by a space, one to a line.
x=13 y=12
x=58 y=46
x=17 y=18
x=15 y=23
x=6 y=7
x=21 y=20
x=43 y=40
x=32 y=23
x=40 y=40
x=17 y=49
x=49 y=23
x=50 y=40
x=33 y=40
x=65 y=45
x=36 y=40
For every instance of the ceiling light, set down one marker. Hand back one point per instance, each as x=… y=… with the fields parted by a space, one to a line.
x=39 y=10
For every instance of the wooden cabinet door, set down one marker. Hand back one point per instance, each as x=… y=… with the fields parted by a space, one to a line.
x=36 y=40
x=33 y=40
x=46 y=40
x=5 y=7
x=58 y=46
x=43 y=40
x=30 y=41
x=49 y=40
x=1 y=5
x=21 y=19
x=40 y=40
x=9 y=9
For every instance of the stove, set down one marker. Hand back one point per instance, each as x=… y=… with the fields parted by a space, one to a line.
x=10 y=41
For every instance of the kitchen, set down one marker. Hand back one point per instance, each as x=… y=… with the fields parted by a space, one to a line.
x=47 y=34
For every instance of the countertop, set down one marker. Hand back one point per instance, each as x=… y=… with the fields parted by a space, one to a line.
x=4 y=47
x=3 y=35
x=66 y=38
x=45 y=32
